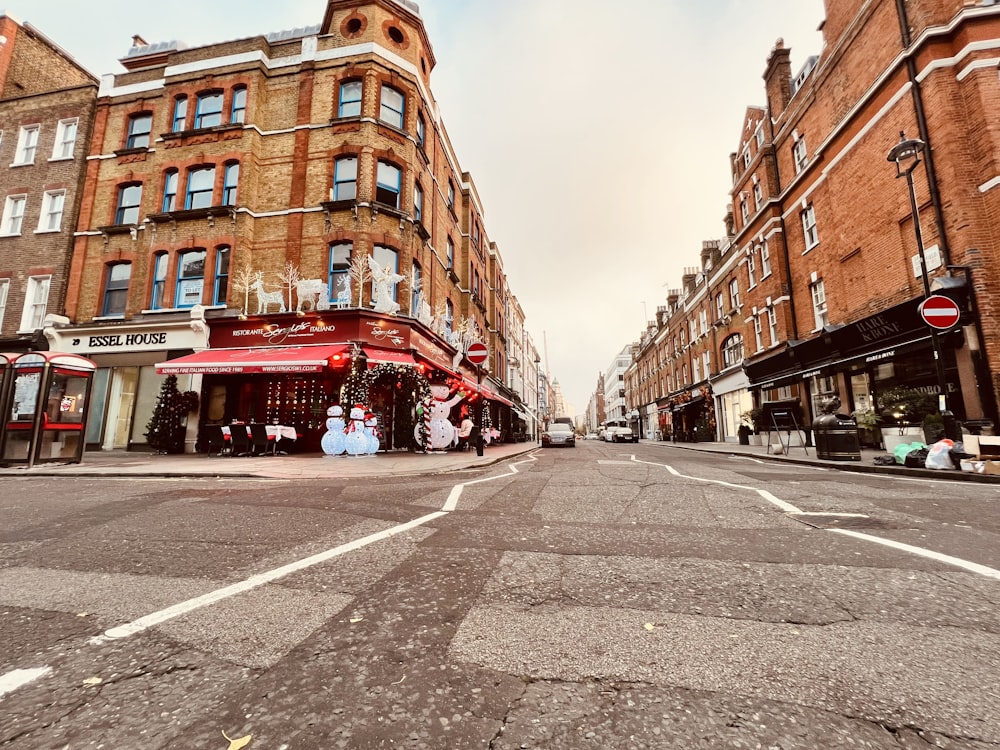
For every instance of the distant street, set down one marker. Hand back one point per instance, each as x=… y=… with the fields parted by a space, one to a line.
x=604 y=596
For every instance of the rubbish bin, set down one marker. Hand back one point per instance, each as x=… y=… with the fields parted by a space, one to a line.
x=836 y=438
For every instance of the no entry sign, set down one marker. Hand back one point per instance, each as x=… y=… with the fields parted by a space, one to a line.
x=940 y=312
x=477 y=353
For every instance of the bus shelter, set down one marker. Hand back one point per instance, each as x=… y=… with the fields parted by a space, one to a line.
x=46 y=398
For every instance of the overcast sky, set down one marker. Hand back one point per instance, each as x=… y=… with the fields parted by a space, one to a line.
x=598 y=133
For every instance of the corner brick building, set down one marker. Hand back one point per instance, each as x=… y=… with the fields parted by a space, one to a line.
x=234 y=195
x=822 y=245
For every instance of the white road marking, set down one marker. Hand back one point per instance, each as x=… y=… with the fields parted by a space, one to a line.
x=181 y=608
x=830 y=513
x=930 y=554
x=19 y=678
x=792 y=510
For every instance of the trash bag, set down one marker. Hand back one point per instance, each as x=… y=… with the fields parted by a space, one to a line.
x=902 y=450
x=916 y=459
x=958 y=454
x=885 y=460
x=939 y=455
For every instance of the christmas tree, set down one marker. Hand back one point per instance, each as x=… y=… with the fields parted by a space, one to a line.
x=165 y=429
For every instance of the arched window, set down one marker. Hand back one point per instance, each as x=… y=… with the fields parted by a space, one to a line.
x=129 y=201
x=416 y=282
x=116 y=289
x=238 y=109
x=389 y=260
x=179 y=121
x=387 y=184
x=139 y=127
x=392 y=107
x=345 y=178
x=221 y=287
x=190 y=278
x=340 y=267
x=449 y=319
x=208 y=112
x=170 y=180
x=200 y=186
x=350 y=99
x=418 y=202
x=732 y=350
x=230 y=180
x=156 y=300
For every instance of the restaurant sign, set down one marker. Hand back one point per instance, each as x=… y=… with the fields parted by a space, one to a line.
x=290 y=329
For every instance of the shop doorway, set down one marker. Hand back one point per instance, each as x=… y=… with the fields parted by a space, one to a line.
x=121 y=403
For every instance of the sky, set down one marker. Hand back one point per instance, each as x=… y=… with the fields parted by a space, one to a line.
x=598 y=134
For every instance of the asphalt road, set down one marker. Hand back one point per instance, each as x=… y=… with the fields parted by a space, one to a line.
x=603 y=596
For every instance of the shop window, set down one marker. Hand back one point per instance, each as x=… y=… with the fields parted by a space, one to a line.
x=387 y=184
x=50 y=219
x=345 y=178
x=139 y=128
x=179 y=120
x=391 y=107
x=230 y=180
x=238 y=108
x=36 y=301
x=208 y=111
x=221 y=287
x=13 y=214
x=200 y=186
x=389 y=260
x=350 y=99
x=65 y=141
x=129 y=200
x=156 y=301
x=27 y=143
x=340 y=270
x=170 y=180
x=732 y=350
x=116 y=289
x=190 y=278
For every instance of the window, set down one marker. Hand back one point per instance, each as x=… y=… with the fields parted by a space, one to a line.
x=391 y=107
x=389 y=260
x=744 y=210
x=706 y=362
x=116 y=289
x=65 y=139
x=450 y=255
x=416 y=280
x=760 y=136
x=230 y=179
x=799 y=155
x=170 y=180
x=345 y=178
x=156 y=301
x=772 y=324
x=13 y=214
x=703 y=321
x=752 y=267
x=129 y=198
x=746 y=158
x=818 y=291
x=694 y=329
x=139 y=127
x=809 y=227
x=732 y=350
x=221 y=287
x=418 y=202
x=421 y=131
x=734 y=294
x=757 y=332
x=387 y=184
x=765 y=260
x=208 y=112
x=36 y=299
x=238 y=109
x=696 y=365
x=449 y=316
x=4 y=290
x=200 y=185
x=758 y=194
x=350 y=99
x=50 y=219
x=340 y=268
x=27 y=143
x=451 y=194
x=190 y=278
x=179 y=121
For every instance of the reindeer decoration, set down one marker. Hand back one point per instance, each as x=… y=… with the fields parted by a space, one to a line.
x=264 y=298
x=343 y=291
x=312 y=292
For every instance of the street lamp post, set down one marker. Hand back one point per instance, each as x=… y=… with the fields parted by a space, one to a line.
x=906 y=156
x=538 y=401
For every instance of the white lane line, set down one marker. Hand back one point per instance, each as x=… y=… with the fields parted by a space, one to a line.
x=831 y=513
x=786 y=507
x=930 y=554
x=922 y=552
x=181 y=608
x=19 y=678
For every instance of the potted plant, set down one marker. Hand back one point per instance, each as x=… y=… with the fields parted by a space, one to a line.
x=752 y=420
x=903 y=409
x=868 y=427
x=933 y=426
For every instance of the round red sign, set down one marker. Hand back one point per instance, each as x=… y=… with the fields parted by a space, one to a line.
x=940 y=312
x=477 y=353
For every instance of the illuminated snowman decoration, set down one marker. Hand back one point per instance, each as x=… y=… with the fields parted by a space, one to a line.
x=371 y=431
x=333 y=440
x=441 y=433
x=356 y=441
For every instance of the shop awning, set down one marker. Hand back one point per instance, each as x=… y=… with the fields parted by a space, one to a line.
x=520 y=414
x=376 y=355
x=257 y=360
x=486 y=391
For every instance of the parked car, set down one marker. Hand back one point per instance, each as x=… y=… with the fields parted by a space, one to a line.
x=558 y=433
x=618 y=435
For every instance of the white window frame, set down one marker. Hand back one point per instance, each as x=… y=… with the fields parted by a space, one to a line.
x=696 y=365
x=63 y=144
x=817 y=291
x=703 y=321
x=746 y=157
x=765 y=260
x=27 y=145
x=706 y=362
x=4 y=293
x=772 y=324
x=758 y=194
x=752 y=267
x=36 y=301
x=744 y=210
x=734 y=293
x=758 y=333
x=13 y=215
x=809 y=232
x=800 y=155
x=51 y=199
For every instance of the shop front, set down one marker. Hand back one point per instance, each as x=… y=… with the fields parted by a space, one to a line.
x=732 y=401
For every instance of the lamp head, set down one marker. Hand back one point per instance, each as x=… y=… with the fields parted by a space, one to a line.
x=906 y=154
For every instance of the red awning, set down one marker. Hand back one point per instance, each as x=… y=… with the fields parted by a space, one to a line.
x=486 y=391
x=377 y=356
x=258 y=360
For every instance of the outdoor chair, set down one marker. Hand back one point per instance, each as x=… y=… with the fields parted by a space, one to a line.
x=239 y=440
x=214 y=440
x=263 y=444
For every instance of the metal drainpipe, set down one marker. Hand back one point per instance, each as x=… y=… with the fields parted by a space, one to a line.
x=924 y=132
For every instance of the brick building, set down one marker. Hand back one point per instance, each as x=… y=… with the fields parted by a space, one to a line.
x=46 y=111
x=828 y=273
x=235 y=195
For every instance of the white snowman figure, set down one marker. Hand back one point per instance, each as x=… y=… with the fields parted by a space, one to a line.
x=371 y=431
x=441 y=433
x=355 y=441
x=333 y=440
